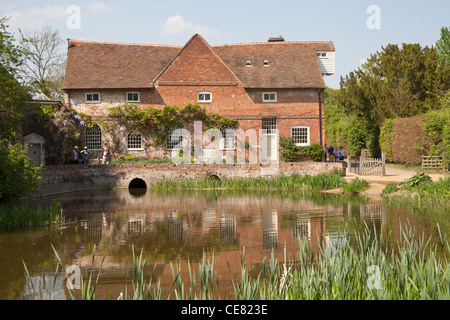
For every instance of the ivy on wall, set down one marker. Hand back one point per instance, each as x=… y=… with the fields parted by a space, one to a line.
x=159 y=122
x=386 y=139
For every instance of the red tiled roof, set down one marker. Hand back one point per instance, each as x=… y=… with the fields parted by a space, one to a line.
x=102 y=65
x=291 y=64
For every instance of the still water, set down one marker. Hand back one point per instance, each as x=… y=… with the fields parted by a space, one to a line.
x=177 y=227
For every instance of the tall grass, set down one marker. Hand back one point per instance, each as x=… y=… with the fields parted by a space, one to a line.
x=355 y=186
x=323 y=181
x=21 y=216
x=363 y=267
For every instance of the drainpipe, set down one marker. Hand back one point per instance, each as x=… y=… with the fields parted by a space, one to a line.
x=320 y=117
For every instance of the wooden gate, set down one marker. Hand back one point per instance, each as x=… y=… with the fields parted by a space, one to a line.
x=372 y=166
x=432 y=163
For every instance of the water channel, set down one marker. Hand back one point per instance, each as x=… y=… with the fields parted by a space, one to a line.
x=176 y=227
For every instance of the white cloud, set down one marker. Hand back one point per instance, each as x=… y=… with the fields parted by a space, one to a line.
x=35 y=17
x=176 y=25
x=49 y=12
x=22 y=20
x=98 y=7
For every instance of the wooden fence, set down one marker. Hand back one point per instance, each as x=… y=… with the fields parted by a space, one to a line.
x=432 y=163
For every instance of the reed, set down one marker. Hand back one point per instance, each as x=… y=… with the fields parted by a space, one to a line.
x=323 y=181
x=21 y=216
x=365 y=266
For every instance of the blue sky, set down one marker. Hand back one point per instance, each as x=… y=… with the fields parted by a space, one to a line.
x=344 y=22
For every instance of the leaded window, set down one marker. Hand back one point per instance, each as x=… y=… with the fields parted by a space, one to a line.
x=94 y=138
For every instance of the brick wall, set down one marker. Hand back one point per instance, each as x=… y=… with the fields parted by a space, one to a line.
x=67 y=178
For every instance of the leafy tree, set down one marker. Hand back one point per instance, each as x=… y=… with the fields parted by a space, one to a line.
x=443 y=46
x=17 y=174
x=14 y=97
x=396 y=82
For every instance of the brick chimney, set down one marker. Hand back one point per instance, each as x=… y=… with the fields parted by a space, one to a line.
x=276 y=39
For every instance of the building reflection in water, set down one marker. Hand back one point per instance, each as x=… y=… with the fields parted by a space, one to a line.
x=270 y=229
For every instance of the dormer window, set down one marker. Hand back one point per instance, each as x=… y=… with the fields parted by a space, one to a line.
x=269 y=97
x=266 y=63
x=248 y=63
x=204 y=97
x=321 y=55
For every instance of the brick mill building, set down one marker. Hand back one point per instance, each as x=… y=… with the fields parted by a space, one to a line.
x=266 y=85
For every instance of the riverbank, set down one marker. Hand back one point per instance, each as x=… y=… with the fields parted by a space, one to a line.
x=378 y=183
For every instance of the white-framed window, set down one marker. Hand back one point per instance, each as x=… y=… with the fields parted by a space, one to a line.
x=175 y=139
x=266 y=63
x=204 y=97
x=269 y=125
x=92 y=97
x=94 y=138
x=248 y=63
x=300 y=135
x=227 y=135
x=133 y=97
x=269 y=97
x=321 y=55
x=134 y=141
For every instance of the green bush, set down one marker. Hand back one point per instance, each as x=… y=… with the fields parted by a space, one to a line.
x=417 y=181
x=290 y=152
x=18 y=176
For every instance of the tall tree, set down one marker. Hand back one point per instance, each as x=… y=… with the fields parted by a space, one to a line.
x=44 y=68
x=443 y=46
x=396 y=82
x=14 y=97
x=17 y=174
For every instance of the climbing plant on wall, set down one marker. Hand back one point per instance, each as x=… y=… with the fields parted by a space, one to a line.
x=159 y=122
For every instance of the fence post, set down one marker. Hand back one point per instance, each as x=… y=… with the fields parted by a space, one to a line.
x=361 y=162
x=349 y=164
x=383 y=164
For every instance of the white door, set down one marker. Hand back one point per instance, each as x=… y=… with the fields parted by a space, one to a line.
x=269 y=148
x=34 y=153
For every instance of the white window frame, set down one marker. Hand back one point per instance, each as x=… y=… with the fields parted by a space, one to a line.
x=322 y=55
x=93 y=138
x=91 y=93
x=225 y=139
x=135 y=133
x=266 y=63
x=133 y=92
x=270 y=100
x=248 y=63
x=173 y=144
x=308 y=137
x=204 y=93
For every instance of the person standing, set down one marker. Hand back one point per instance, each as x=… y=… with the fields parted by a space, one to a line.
x=85 y=155
x=325 y=153
x=106 y=159
x=331 y=153
x=75 y=154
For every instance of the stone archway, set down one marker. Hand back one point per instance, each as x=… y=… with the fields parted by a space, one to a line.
x=34 y=146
